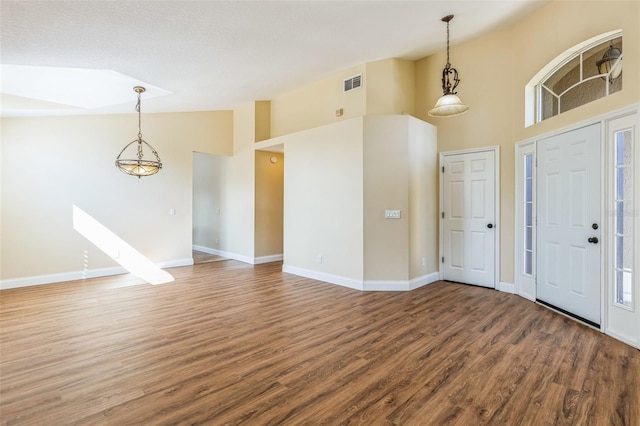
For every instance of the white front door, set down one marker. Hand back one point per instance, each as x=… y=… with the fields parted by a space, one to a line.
x=569 y=222
x=469 y=218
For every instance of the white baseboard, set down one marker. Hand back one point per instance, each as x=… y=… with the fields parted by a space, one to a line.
x=629 y=340
x=401 y=285
x=321 y=276
x=424 y=280
x=81 y=275
x=507 y=287
x=367 y=285
x=268 y=259
x=240 y=257
x=527 y=296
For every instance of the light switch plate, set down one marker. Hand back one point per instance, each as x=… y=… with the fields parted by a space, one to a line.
x=392 y=214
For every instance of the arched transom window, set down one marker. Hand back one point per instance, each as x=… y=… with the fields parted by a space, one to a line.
x=582 y=74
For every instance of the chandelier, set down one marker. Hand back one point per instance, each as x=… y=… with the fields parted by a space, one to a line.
x=133 y=162
x=449 y=104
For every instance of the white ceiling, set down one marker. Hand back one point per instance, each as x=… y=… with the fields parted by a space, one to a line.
x=213 y=55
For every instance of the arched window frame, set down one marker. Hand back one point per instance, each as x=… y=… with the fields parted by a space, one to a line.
x=532 y=95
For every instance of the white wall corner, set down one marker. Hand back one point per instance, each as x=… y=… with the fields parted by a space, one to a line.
x=507 y=287
x=320 y=276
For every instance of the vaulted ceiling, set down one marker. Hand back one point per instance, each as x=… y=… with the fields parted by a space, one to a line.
x=212 y=55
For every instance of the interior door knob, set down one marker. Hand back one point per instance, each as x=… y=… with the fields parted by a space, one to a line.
x=593 y=240
x=490 y=225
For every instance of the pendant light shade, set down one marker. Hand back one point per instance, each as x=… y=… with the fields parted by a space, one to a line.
x=611 y=63
x=449 y=104
x=133 y=162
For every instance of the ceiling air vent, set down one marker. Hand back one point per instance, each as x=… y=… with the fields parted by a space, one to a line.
x=353 y=83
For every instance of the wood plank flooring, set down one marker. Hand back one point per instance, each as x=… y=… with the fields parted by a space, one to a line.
x=230 y=343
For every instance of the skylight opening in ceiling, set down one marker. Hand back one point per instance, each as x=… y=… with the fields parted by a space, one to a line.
x=71 y=87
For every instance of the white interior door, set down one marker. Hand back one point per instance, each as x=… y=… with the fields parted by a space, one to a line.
x=468 y=218
x=569 y=222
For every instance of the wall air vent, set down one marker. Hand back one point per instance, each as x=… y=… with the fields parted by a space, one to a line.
x=353 y=83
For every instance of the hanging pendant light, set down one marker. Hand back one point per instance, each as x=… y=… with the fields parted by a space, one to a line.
x=611 y=64
x=449 y=104
x=134 y=164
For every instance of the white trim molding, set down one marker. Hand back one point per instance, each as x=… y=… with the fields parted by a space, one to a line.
x=240 y=257
x=401 y=285
x=507 y=287
x=82 y=275
x=321 y=276
x=366 y=285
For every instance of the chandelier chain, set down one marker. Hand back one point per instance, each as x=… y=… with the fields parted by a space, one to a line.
x=448 y=63
x=139 y=117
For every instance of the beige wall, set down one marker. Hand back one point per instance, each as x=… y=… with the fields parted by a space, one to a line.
x=400 y=173
x=390 y=87
x=50 y=164
x=423 y=193
x=262 y=120
x=269 y=215
x=323 y=209
x=495 y=68
x=339 y=180
x=386 y=177
x=238 y=187
x=316 y=104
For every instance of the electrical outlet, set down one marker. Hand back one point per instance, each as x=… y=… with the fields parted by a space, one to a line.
x=319 y=258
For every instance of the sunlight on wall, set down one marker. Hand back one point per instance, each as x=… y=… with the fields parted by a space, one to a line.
x=116 y=248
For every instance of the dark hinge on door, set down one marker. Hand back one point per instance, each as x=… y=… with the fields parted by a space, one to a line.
x=442 y=259
x=442 y=169
x=443 y=215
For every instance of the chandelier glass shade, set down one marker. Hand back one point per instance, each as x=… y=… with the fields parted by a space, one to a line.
x=131 y=159
x=449 y=104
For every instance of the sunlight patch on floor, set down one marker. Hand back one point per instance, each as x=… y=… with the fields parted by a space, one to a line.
x=117 y=249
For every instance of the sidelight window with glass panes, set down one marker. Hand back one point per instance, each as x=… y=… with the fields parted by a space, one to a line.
x=623 y=217
x=528 y=215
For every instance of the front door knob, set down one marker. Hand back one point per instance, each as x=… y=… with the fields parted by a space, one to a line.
x=490 y=225
x=593 y=240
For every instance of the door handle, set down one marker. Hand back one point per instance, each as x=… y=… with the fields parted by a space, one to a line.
x=593 y=240
x=490 y=225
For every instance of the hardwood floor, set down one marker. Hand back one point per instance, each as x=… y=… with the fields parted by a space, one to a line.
x=229 y=343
